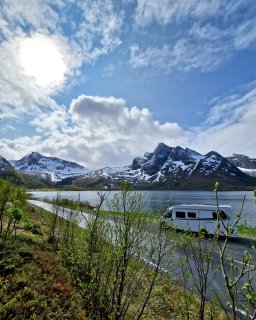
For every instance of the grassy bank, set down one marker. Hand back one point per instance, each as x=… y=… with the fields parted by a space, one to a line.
x=33 y=285
x=244 y=230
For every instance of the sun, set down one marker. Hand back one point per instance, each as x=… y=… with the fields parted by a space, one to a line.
x=41 y=58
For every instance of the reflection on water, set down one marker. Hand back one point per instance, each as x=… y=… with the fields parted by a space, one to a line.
x=160 y=199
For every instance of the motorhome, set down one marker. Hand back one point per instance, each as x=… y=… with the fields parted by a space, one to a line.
x=196 y=217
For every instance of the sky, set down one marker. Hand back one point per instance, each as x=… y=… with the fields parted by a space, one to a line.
x=100 y=82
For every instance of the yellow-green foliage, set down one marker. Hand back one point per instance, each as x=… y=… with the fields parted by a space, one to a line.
x=246 y=230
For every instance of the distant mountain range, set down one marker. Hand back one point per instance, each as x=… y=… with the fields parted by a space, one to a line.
x=164 y=168
x=168 y=168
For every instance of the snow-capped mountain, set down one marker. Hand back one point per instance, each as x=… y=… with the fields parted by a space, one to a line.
x=244 y=163
x=48 y=168
x=171 y=167
x=164 y=168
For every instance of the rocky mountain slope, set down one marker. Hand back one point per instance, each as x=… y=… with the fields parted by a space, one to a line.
x=171 y=167
x=49 y=169
x=6 y=170
x=244 y=163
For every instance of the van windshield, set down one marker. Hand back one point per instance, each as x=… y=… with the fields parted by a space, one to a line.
x=168 y=214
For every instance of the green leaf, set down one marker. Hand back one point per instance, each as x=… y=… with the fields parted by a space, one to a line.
x=216 y=186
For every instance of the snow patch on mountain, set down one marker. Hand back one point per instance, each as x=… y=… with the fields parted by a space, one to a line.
x=49 y=168
x=244 y=163
x=251 y=172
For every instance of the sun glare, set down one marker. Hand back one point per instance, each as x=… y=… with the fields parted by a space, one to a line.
x=41 y=59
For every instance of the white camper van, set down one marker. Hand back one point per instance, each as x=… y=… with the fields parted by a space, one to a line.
x=196 y=217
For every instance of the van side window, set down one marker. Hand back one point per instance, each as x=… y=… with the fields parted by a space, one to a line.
x=191 y=215
x=180 y=215
x=168 y=214
x=221 y=213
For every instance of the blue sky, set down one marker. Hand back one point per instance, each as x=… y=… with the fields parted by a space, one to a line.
x=100 y=82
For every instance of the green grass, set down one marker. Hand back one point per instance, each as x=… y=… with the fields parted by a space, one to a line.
x=33 y=285
x=88 y=208
x=248 y=231
x=149 y=217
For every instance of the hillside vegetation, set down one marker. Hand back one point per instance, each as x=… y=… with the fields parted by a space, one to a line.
x=33 y=284
x=50 y=268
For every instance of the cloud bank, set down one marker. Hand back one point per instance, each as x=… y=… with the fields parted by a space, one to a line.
x=97 y=131
x=102 y=131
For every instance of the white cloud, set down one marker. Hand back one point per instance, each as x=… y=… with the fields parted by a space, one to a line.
x=33 y=13
x=39 y=57
x=167 y=11
x=51 y=123
x=190 y=54
x=231 y=108
x=185 y=54
x=230 y=127
x=204 y=47
x=109 y=70
x=112 y=130
x=99 y=131
x=8 y=128
x=209 y=33
x=245 y=35
x=11 y=149
x=157 y=57
x=101 y=25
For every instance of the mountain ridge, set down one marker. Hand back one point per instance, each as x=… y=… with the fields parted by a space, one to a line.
x=166 y=167
x=170 y=167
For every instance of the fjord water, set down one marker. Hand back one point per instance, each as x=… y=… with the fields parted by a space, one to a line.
x=161 y=199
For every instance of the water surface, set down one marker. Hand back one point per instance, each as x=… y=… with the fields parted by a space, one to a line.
x=161 y=199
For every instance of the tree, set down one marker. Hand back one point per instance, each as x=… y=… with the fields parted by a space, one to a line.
x=238 y=280
x=111 y=263
x=14 y=214
x=12 y=199
x=6 y=189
